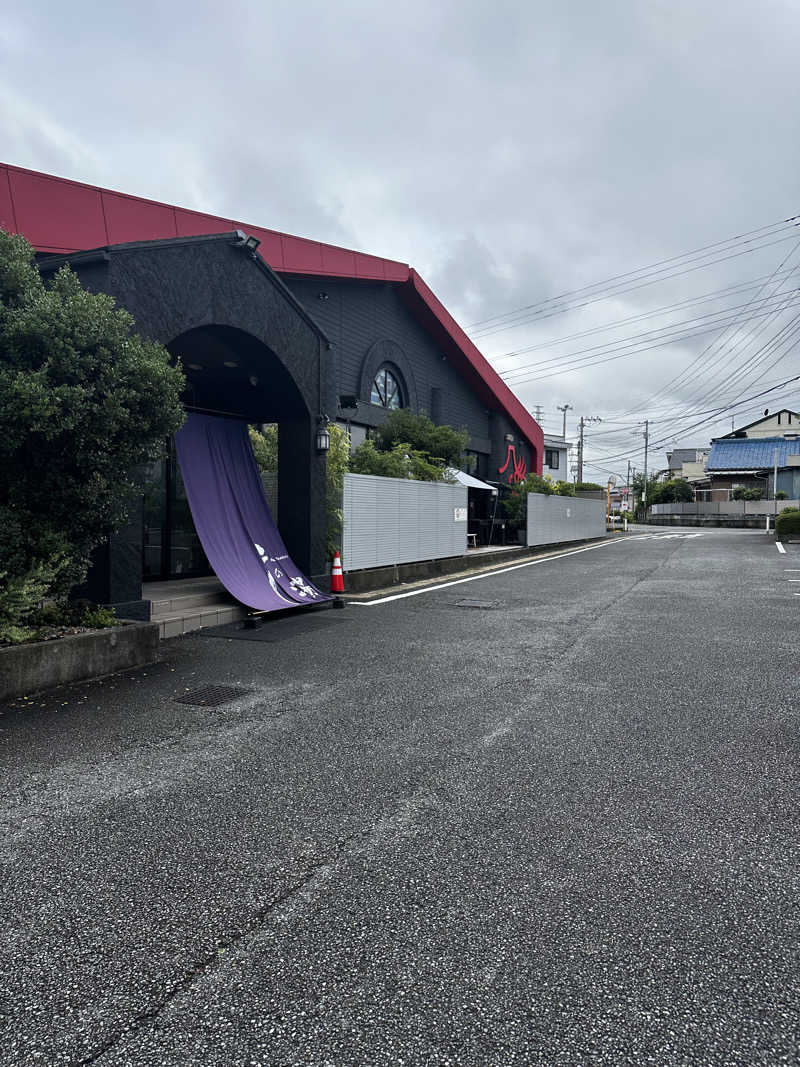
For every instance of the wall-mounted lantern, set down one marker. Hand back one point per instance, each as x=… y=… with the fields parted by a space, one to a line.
x=323 y=435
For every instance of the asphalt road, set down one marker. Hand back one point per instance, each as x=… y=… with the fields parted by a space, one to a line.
x=558 y=827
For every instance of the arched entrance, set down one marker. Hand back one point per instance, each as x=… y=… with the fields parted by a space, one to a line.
x=232 y=374
x=250 y=351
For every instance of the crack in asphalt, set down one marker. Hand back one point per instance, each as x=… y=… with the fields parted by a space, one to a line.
x=210 y=962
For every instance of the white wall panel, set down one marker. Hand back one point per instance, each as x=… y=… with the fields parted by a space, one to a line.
x=555 y=519
x=391 y=520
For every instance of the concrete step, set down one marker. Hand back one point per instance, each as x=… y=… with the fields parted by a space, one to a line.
x=160 y=609
x=186 y=619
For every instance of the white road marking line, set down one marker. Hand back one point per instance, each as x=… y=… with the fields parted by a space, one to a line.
x=476 y=577
x=780 y=547
x=790 y=580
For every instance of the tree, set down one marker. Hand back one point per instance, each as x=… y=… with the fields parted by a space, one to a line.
x=264 y=443
x=418 y=432
x=402 y=461
x=639 y=486
x=675 y=491
x=515 y=502
x=83 y=402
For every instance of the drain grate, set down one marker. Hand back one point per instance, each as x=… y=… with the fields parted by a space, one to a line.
x=485 y=605
x=211 y=696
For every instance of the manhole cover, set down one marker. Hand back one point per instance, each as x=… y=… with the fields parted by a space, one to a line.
x=485 y=605
x=211 y=696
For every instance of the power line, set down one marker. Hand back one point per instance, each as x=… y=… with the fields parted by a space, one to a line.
x=683 y=376
x=613 y=293
x=634 y=339
x=792 y=330
x=622 y=282
x=654 y=313
x=619 y=352
x=711 y=418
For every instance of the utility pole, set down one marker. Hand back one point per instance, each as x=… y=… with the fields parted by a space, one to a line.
x=628 y=487
x=581 y=425
x=539 y=414
x=646 y=439
x=775 y=484
x=564 y=408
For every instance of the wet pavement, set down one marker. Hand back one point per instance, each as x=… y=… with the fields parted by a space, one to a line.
x=547 y=817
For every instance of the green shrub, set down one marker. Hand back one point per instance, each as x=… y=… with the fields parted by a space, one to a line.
x=781 y=495
x=32 y=619
x=441 y=444
x=21 y=597
x=84 y=401
x=515 y=503
x=675 y=491
x=741 y=493
x=265 y=447
x=789 y=511
x=402 y=461
x=787 y=524
x=336 y=465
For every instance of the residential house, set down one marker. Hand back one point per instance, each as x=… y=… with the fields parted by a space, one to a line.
x=556 y=452
x=781 y=423
x=750 y=463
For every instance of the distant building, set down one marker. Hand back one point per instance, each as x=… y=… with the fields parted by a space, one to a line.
x=749 y=463
x=556 y=450
x=687 y=463
x=781 y=423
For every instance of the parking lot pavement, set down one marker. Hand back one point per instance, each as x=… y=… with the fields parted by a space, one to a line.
x=548 y=817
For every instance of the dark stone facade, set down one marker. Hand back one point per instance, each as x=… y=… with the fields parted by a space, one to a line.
x=369 y=323
x=211 y=301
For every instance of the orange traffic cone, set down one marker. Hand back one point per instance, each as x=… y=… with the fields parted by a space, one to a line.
x=337 y=581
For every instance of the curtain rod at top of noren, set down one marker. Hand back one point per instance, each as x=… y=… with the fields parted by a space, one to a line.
x=216 y=411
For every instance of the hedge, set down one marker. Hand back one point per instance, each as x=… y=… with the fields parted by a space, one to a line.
x=788 y=524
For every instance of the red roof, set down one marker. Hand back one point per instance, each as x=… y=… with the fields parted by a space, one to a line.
x=61 y=216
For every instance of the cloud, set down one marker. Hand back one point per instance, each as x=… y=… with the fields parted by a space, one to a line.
x=508 y=151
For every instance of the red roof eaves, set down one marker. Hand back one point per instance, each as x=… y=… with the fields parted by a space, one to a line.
x=85 y=216
x=524 y=421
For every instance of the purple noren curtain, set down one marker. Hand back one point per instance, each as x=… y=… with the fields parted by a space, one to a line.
x=232 y=517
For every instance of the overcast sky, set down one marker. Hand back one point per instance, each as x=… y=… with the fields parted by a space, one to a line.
x=511 y=152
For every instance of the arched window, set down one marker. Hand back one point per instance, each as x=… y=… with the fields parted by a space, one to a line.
x=386 y=390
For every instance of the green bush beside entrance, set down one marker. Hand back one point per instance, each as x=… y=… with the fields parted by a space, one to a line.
x=83 y=402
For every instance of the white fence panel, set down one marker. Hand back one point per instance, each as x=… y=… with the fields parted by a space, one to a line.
x=724 y=507
x=554 y=519
x=392 y=520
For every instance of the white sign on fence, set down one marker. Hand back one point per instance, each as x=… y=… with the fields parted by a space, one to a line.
x=459 y=514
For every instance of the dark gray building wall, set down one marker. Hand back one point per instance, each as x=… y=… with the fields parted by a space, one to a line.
x=357 y=316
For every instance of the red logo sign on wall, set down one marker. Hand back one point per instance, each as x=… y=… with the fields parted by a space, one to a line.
x=517 y=468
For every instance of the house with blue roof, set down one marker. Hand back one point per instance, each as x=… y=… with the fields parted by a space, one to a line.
x=750 y=462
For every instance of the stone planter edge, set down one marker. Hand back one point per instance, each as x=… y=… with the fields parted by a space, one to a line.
x=40 y=665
